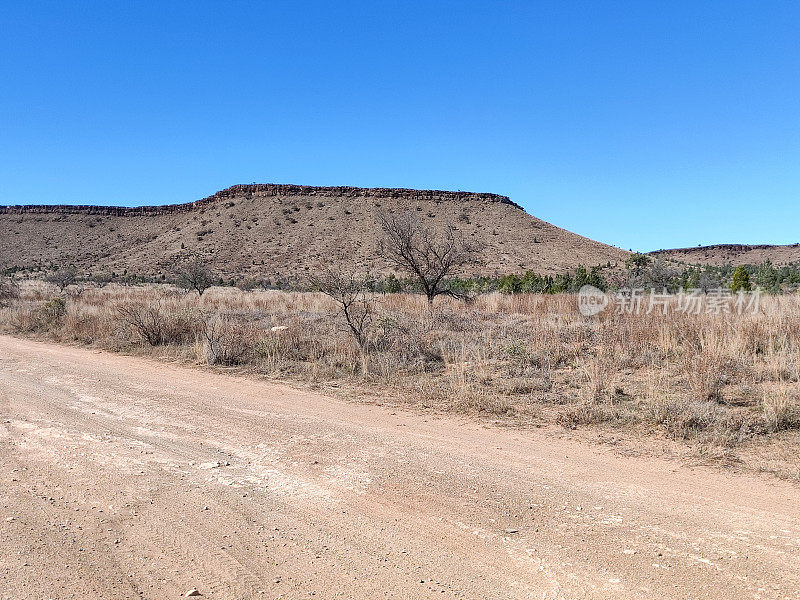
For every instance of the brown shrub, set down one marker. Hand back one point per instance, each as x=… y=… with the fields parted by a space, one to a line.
x=154 y=323
x=228 y=341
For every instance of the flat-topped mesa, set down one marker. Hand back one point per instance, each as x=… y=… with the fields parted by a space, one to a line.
x=262 y=189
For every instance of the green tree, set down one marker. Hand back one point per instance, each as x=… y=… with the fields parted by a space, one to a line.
x=637 y=262
x=509 y=284
x=532 y=282
x=581 y=277
x=562 y=283
x=392 y=285
x=741 y=280
x=767 y=277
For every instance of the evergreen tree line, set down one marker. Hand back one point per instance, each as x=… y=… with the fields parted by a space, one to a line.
x=640 y=271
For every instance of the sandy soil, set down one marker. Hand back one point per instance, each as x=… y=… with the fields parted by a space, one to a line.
x=129 y=478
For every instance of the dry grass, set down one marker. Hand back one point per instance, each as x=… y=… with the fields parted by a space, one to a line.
x=717 y=381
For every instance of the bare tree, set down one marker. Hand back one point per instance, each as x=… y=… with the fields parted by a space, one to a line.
x=643 y=272
x=195 y=275
x=660 y=274
x=351 y=291
x=708 y=282
x=63 y=278
x=426 y=254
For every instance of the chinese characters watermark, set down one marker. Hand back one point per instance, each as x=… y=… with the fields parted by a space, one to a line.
x=637 y=301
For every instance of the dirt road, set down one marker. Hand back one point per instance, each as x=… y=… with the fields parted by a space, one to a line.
x=129 y=478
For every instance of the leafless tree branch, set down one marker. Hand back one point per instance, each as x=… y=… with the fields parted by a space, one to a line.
x=427 y=255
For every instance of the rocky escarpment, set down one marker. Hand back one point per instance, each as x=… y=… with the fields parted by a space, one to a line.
x=265 y=190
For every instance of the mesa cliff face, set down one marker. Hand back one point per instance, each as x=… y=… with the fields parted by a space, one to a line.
x=275 y=230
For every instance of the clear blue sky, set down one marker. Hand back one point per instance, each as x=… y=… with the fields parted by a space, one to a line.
x=642 y=124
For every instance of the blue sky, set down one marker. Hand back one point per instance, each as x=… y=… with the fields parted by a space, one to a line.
x=641 y=124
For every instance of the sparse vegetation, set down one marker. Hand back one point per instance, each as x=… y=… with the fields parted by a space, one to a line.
x=724 y=381
x=155 y=322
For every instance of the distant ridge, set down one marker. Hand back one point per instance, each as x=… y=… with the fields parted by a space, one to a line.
x=734 y=254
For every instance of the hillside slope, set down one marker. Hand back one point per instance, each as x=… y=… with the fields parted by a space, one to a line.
x=271 y=230
x=734 y=254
